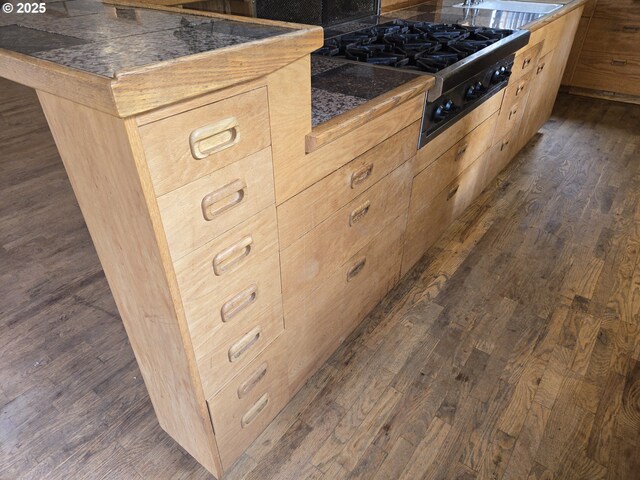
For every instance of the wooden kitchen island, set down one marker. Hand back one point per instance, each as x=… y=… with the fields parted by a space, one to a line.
x=242 y=246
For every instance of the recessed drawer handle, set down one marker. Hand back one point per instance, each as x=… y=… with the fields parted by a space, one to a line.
x=520 y=89
x=461 y=151
x=239 y=302
x=223 y=199
x=361 y=175
x=452 y=192
x=214 y=138
x=244 y=344
x=359 y=213
x=618 y=63
x=540 y=69
x=232 y=256
x=504 y=145
x=356 y=269
x=631 y=28
x=249 y=384
x=513 y=112
x=526 y=62
x=254 y=411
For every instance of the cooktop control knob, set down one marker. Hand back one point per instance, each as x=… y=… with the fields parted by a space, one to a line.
x=443 y=110
x=479 y=88
x=471 y=93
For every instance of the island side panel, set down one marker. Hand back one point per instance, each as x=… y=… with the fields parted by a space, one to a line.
x=104 y=160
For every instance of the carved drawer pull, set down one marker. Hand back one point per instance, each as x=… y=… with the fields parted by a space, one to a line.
x=224 y=199
x=238 y=303
x=359 y=213
x=461 y=151
x=361 y=175
x=513 y=112
x=618 y=63
x=452 y=192
x=526 y=62
x=356 y=269
x=249 y=384
x=520 y=89
x=254 y=411
x=244 y=344
x=504 y=145
x=631 y=28
x=231 y=257
x=214 y=138
x=540 y=69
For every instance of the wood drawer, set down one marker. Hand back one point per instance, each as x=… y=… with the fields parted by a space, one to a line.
x=525 y=61
x=202 y=210
x=549 y=35
x=312 y=258
x=618 y=37
x=311 y=207
x=428 y=221
x=436 y=147
x=498 y=157
x=513 y=105
x=245 y=406
x=189 y=145
x=443 y=171
x=610 y=72
x=317 y=323
x=210 y=296
x=627 y=10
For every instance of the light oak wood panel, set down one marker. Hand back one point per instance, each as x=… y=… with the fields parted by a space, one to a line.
x=433 y=179
x=205 y=292
x=135 y=258
x=294 y=174
x=608 y=71
x=343 y=124
x=498 y=157
x=200 y=211
x=242 y=410
x=513 y=106
x=320 y=321
x=436 y=147
x=428 y=220
x=526 y=60
x=312 y=206
x=313 y=258
x=576 y=50
x=620 y=37
x=549 y=35
x=167 y=142
x=627 y=10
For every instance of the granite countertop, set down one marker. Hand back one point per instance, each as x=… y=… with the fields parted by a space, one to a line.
x=105 y=39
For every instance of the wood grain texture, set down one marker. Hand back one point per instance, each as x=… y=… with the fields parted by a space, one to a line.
x=132 y=248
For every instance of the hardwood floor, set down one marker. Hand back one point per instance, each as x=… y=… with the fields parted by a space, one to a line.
x=511 y=352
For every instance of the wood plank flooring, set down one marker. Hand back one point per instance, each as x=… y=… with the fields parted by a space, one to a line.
x=511 y=352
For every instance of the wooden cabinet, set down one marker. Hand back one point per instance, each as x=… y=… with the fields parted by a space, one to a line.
x=605 y=59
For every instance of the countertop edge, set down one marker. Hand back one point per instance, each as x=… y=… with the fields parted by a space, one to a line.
x=345 y=123
x=565 y=9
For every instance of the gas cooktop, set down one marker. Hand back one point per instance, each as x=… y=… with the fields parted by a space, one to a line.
x=422 y=46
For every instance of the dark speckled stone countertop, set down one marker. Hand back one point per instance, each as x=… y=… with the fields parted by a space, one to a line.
x=105 y=39
x=338 y=86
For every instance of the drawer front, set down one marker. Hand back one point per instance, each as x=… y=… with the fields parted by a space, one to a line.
x=443 y=171
x=190 y=145
x=439 y=145
x=618 y=9
x=202 y=210
x=308 y=209
x=498 y=157
x=549 y=35
x=610 y=72
x=230 y=288
x=247 y=404
x=513 y=106
x=311 y=259
x=525 y=61
x=313 y=324
x=428 y=221
x=613 y=36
